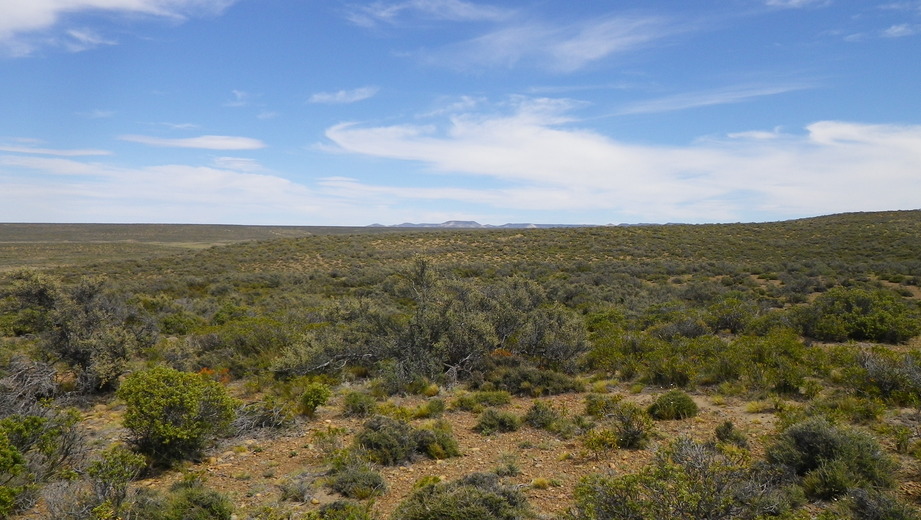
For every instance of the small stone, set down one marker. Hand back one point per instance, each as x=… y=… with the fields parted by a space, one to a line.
x=314 y=501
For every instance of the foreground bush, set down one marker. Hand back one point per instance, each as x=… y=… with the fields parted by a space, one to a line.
x=171 y=415
x=35 y=449
x=687 y=480
x=831 y=460
x=480 y=496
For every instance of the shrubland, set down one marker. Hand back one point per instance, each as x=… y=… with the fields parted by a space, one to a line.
x=403 y=335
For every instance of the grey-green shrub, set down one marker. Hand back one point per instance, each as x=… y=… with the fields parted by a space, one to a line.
x=673 y=404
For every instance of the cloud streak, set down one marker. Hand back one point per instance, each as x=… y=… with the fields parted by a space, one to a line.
x=722 y=96
x=205 y=142
x=558 y=48
x=392 y=13
x=344 y=96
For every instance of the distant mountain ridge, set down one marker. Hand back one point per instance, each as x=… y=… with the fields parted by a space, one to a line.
x=471 y=224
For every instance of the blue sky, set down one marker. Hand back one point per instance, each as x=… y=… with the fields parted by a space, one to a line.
x=328 y=112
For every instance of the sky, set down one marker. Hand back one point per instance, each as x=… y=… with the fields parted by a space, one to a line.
x=339 y=112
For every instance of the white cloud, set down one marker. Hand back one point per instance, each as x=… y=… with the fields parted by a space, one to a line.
x=239 y=164
x=833 y=167
x=207 y=142
x=723 y=96
x=901 y=30
x=558 y=48
x=240 y=99
x=796 y=4
x=51 y=151
x=448 y=10
x=22 y=17
x=344 y=96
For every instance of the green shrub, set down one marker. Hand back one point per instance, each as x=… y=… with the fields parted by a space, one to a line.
x=475 y=401
x=600 y=441
x=341 y=510
x=34 y=450
x=874 y=505
x=831 y=459
x=386 y=441
x=436 y=440
x=493 y=420
x=171 y=415
x=314 y=396
x=531 y=381
x=479 y=496
x=727 y=432
x=600 y=405
x=673 y=404
x=390 y=441
x=195 y=502
x=541 y=415
x=430 y=409
x=859 y=314
x=297 y=488
x=632 y=426
x=358 y=404
x=686 y=480
x=357 y=480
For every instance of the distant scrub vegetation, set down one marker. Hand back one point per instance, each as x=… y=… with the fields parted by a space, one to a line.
x=775 y=312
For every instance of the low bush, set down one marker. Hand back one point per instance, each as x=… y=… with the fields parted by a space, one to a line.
x=632 y=426
x=534 y=382
x=476 y=401
x=851 y=313
x=541 y=415
x=686 y=480
x=171 y=415
x=673 y=404
x=874 y=505
x=830 y=459
x=314 y=396
x=358 y=404
x=386 y=441
x=341 y=510
x=479 y=496
x=728 y=433
x=493 y=420
x=436 y=440
x=600 y=405
x=358 y=481
x=390 y=441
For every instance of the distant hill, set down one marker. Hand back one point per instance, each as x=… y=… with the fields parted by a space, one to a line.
x=471 y=224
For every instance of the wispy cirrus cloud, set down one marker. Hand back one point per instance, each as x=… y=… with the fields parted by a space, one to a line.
x=206 y=142
x=538 y=164
x=722 y=96
x=797 y=4
x=902 y=30
x=344 y=96
x=22 y=18
x=51 y=151
x=392 y=13
x=559 y=48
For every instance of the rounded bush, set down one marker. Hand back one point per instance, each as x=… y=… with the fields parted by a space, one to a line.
x=359 y=404
x=492 y=420
x=387 y=441
x=314 y=396
x=673 y=404
x=172 y=414
x=831 y=459
x=479 y=496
